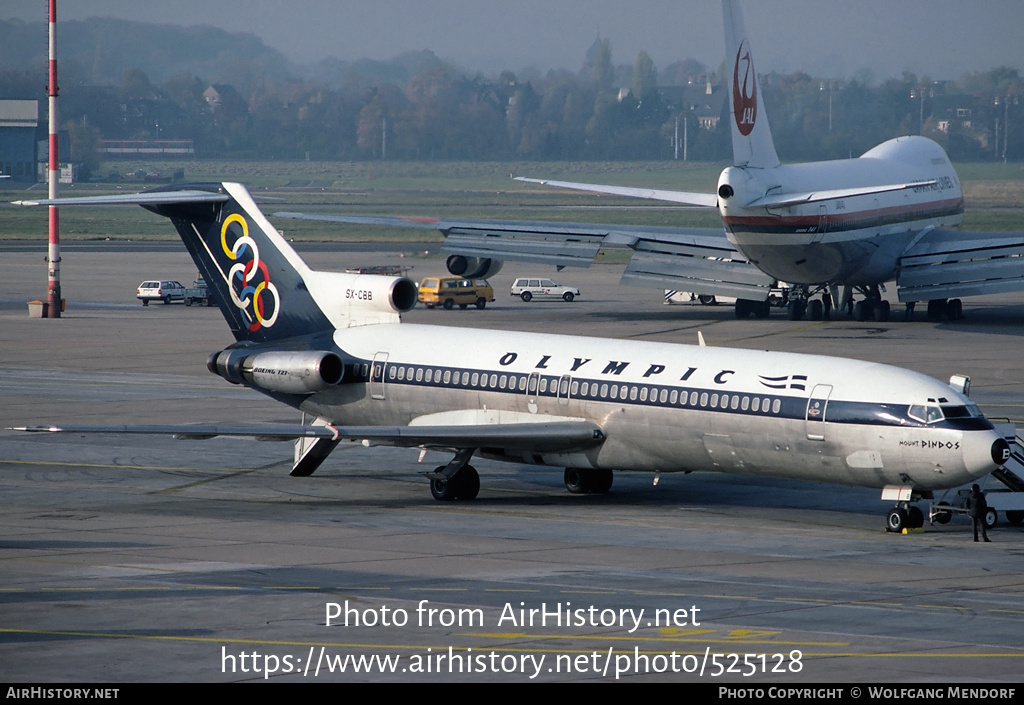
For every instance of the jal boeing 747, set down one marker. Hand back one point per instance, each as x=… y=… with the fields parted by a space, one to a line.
x=890 y=214
x=333 y=346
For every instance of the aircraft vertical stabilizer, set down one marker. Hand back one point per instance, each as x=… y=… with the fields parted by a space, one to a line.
x=752 y=144
x=257 y=278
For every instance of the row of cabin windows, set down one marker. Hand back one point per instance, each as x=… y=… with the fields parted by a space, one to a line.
x=589 y=390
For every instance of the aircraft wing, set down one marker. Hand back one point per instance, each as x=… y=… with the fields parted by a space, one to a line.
x=547 y=437
x=700 y=260
x=942 y=264
x=708 y=200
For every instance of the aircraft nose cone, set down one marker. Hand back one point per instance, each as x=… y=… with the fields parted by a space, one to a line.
x=983 y=452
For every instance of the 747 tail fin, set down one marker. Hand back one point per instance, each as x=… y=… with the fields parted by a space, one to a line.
x=752 y=144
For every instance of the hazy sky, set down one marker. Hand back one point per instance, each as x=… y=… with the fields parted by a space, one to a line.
x=940 y=38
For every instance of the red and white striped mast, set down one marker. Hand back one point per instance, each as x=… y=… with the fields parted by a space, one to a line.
x=53 y=253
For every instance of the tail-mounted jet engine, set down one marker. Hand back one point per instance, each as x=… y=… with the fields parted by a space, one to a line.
x=473 y=267
x=284 y=372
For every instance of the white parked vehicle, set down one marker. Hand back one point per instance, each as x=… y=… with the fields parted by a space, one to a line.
x=165 y=290
x=530 y=288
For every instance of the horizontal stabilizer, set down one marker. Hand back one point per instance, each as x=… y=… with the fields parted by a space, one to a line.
x=134 y=199
x=783 y=200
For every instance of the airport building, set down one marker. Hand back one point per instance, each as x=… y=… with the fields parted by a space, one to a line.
x=19 y=137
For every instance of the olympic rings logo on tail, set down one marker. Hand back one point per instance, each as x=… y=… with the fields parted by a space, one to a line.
x=249 y=281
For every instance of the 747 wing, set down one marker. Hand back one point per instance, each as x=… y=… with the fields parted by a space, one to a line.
x=700 y=260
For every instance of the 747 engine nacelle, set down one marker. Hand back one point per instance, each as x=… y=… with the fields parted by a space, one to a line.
x=473 y=267
x=284 y=372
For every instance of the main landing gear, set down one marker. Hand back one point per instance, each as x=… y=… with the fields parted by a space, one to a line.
x=460 y=481
x=464 y=484
x=904 y=516
x=801 y=304
x=588 y=480
x=456 y=480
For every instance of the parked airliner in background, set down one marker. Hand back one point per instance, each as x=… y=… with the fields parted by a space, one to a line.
x=333 y=346
x=889 y=214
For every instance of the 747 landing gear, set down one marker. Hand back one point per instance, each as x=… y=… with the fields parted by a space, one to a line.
x=465 y=484
x=801 y=304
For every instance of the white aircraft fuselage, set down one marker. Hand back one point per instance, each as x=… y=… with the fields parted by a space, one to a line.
x=669 y=408
x=855 y=239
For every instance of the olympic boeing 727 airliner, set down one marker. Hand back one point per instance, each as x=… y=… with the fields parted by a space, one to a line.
x=333 y=346
x=890 y=214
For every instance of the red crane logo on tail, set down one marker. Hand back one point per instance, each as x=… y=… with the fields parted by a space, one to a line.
x=744 y=91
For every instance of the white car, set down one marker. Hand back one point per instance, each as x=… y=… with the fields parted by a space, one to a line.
x=529 y=288
x=165 y=290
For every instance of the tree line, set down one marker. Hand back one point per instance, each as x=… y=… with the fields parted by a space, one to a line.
x=420 y=107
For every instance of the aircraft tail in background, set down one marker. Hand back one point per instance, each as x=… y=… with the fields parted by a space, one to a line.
x=752 y=144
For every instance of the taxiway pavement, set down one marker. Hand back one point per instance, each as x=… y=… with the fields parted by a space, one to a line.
x=149 y=559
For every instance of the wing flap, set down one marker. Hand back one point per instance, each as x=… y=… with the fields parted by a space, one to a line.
x=944 y=264
x=738 y=279
x=542 y=250
x=704 y=265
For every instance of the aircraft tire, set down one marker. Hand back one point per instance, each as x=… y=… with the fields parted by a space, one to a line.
x=577 y=481
x=915 y=518
x=796 y=310
x=991 y=518
x=943 y=517
x=881 y=312
x=468 y=483
x=568 y=297
x=742 y=309
x=442 y=490
x=896 y=520
x=526 y=296
x=861 y=311
x=762 y=310
x=601 y=481
x=815 y=310
x=955 y=309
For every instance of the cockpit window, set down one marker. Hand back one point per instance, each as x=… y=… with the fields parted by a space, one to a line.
x=926 y=413
x=966 y=411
